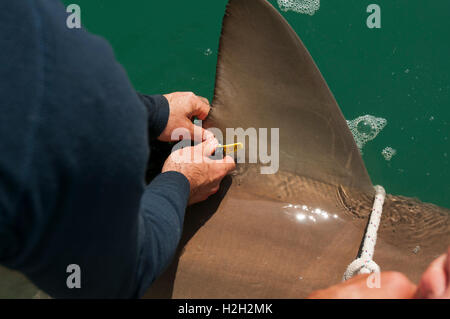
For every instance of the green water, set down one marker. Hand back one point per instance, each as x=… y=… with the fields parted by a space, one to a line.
x=399 y=72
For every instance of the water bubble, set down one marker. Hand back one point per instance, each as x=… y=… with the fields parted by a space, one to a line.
x=366 y=128
x=300 y=6
x=388 y=153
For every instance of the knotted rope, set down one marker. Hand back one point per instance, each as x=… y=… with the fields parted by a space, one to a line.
x=365 y=264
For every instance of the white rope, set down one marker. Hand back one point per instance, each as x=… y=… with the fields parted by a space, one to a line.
x=365 y=264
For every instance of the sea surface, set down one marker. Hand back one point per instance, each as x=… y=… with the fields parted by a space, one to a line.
x=398 y=75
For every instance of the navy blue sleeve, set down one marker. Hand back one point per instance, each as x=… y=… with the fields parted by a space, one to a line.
x=159 y=234
x=158 y=110
x=74 y=147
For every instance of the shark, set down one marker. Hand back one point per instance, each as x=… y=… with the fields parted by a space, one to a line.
x=287 y=234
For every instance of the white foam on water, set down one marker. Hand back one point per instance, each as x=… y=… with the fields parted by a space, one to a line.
x=388 y=153
x=208 y=52
x=365 y=128
x=300 y=6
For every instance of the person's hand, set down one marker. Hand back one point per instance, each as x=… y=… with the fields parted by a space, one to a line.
x=204 y=174
x=393 y=285
x=435 y=282
x=184 y=106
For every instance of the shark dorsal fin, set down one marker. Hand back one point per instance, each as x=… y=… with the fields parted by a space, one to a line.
x=267 y=79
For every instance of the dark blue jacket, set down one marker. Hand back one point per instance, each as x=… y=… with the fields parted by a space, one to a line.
x=74 y=144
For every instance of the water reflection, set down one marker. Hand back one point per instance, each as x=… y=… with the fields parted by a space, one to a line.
x=306 y=214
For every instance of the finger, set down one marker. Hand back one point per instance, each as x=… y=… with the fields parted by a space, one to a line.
x=207 y=135
x=228 y=164
x=204 y=99
x=447 y=267
x=447 y=273
x=202 y=135
x=392 y=286
x=434 y=280
x=200 y=108
x=214 y=190
x=230 y=161
x=208 y=147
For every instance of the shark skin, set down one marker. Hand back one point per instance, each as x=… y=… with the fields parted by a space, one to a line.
x=254 y=239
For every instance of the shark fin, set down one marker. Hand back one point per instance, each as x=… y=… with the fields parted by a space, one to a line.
x=267 y=79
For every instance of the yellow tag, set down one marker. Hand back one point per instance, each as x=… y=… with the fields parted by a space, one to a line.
x=231 y=148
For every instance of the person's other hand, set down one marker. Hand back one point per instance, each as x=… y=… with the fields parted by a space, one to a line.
x=393 y=285
x=435 y=282
x=184 y=106
x=204 y=174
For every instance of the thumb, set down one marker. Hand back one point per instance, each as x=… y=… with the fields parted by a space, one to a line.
x=209 y=146
x=434 y=281
x=228 y=162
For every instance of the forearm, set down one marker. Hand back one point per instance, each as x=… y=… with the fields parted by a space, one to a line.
x=161 y=220
x=158 y=113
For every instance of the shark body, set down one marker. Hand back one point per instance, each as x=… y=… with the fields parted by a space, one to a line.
x=287 y=234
